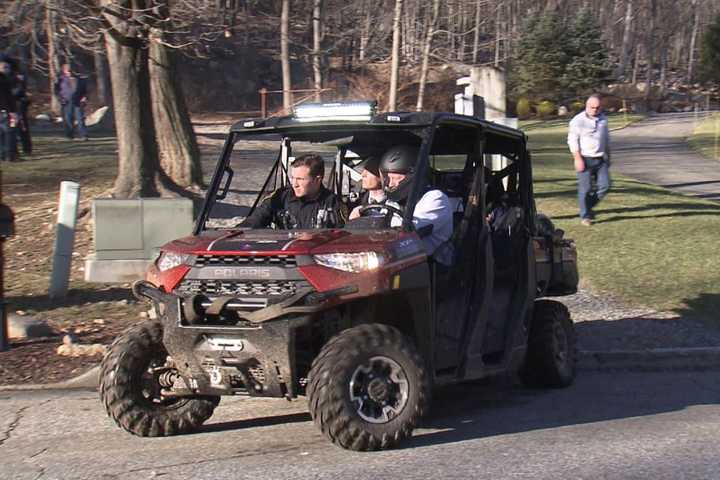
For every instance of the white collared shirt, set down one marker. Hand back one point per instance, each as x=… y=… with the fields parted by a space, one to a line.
x=434 y=208
x=589 y=136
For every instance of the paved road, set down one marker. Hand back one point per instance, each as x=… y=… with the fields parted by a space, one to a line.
x=607 y=426
x=655 y=151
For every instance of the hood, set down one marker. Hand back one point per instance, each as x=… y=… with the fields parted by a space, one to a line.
x=279 y=242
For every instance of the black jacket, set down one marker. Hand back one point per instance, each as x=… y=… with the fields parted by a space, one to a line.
x=7 y=95
x=284 y=210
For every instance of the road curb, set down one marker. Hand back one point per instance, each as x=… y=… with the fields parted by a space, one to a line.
x=696 y=358
x=87 y=381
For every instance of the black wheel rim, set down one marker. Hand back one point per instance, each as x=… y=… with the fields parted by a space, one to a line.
x=379 y=390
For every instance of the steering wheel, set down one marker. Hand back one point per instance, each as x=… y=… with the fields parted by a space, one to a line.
x=379 y=206
x=391 y=210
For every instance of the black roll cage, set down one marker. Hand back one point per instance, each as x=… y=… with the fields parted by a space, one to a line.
x=426 y=132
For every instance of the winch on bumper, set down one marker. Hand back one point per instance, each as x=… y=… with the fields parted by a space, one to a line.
x=253 y=357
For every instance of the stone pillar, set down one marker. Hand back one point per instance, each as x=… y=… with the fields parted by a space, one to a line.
x=485 y=82
x=489 y=83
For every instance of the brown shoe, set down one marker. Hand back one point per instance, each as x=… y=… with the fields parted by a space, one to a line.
x=586 y=222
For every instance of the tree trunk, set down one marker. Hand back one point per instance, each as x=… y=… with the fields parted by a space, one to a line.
x=636 y=64
x=285 y=55
x=317 y=72
x=462 y=22
x=625 y=46
x=476 y=35
x=102 y=84
x=138 y=165
x=365 y=33
x=693 y=38
x=497 y=33
x=178 y=149
x=650 y=49
x=52 y=59
x=426 y=54
x=395 y=62
x=663 y=70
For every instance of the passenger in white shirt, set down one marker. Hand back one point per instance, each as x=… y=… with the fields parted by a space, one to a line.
x=397 y=167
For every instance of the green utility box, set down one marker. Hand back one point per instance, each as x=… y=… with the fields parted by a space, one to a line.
x=128 y=234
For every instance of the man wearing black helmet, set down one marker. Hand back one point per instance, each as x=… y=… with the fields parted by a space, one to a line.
x=432 y=216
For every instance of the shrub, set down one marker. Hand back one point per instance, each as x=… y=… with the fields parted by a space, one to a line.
x=523 y=108
x=545 y=109
x=577 y=106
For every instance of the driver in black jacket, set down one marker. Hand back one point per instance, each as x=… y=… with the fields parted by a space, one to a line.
x=304 y=204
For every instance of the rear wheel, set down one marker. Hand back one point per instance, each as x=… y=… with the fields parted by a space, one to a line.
x=368 y=388
x=552 y=347
x=131 y=378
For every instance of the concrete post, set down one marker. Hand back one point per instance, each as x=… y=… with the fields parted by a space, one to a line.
x=64 y=239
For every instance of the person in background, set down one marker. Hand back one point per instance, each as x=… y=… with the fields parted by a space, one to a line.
x=23 y=102
x=8 y=114
x=589 y=142
x=71 y=90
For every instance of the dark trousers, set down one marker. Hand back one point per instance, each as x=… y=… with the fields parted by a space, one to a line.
x=72 y=115
x=593 y=184
x=8 y=139
x=24 y=130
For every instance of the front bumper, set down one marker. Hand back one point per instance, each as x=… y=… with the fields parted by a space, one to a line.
x=256 y=358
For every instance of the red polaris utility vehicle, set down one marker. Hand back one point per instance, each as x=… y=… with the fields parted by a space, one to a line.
x=358 y=319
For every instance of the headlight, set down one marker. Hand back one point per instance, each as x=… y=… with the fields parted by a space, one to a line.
x=351 y=262
x=168 y=260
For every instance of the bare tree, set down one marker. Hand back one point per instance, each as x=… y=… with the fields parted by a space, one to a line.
x=285 y=55
x=395 y=59
x=317 y=71
x=426 y=54
x=52 y=58
x=693 y=39
x=625 y=45
x=178 y=149
x=138 y=165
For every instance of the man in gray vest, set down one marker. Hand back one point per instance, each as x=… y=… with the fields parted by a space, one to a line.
x=589 y=142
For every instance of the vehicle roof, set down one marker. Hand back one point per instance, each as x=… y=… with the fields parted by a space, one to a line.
x=396 y=120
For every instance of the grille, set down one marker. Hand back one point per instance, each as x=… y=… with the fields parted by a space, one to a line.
x=235 y=260
x=236 y=288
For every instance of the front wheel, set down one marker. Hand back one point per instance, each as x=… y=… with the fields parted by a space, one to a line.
x=131 y=378
x=368 y=388
x=552 y=347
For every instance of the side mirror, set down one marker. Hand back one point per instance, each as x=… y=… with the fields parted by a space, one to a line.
x=7 y=222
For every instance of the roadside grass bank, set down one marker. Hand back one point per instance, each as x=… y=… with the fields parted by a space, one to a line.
x=706 y=137
x=648 y=246
x=55 y=159
x=94 y=313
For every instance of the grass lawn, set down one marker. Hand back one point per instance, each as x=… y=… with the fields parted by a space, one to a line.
x=706 y=137
x=56 y=159
x=648 y=246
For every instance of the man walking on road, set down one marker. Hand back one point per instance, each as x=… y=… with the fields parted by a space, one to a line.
x=589 y=142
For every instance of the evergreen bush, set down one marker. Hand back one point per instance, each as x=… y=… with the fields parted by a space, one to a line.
x=546 y=109
x=523 y=108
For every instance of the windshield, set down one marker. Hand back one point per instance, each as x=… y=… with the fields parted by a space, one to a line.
x=259 y=166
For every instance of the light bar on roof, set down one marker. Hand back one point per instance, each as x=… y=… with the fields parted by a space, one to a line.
x=350 y=111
